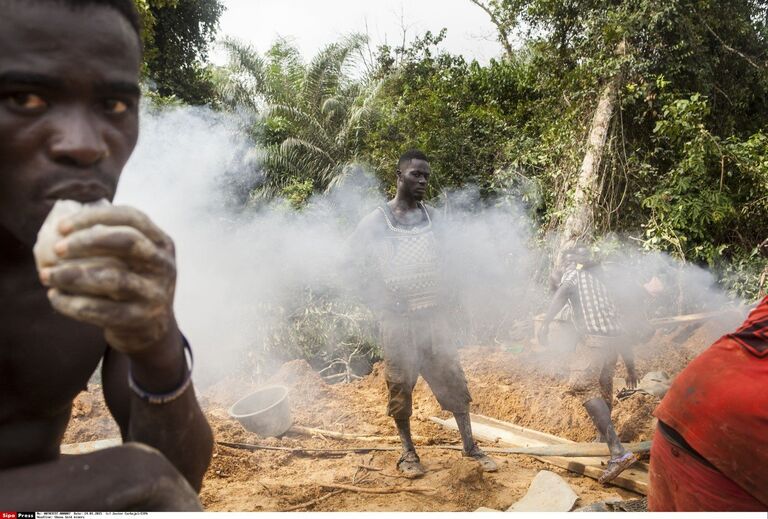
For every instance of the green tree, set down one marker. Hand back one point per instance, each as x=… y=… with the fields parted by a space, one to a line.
x=310 y=118
x=460 y=114
x=177 y=34
x=678 y=50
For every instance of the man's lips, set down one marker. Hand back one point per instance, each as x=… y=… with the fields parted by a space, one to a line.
x=80 y=191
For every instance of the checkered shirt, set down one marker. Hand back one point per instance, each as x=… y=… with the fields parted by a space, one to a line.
x=593 y=309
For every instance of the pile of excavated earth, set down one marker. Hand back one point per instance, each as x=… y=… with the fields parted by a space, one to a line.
x=525 y=386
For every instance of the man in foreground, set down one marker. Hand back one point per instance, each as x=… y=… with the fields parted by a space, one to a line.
x=602 y=340
x=709 y=451
x=68 y=123
x=399 y=242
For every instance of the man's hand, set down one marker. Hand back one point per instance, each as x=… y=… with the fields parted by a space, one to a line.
x=632 y=378
x=117 y=271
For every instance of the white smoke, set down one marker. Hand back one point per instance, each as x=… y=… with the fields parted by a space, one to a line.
x=232 y=264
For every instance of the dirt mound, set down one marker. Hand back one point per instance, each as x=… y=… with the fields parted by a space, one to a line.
x=296 y=373
x=91 y=420
x=304 y=383
x=526 y=387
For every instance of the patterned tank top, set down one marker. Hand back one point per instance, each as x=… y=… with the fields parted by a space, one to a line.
x=408 y=261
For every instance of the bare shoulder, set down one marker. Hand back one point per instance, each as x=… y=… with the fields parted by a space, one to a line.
x=431 y=211
x=370 y=223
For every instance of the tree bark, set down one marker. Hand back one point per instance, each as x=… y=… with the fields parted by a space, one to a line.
x=579 y=225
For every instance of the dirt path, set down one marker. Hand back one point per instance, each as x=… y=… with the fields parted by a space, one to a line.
x=526 y=388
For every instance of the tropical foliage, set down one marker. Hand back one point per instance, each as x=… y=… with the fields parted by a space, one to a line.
x=309 y=119
x=684 y=167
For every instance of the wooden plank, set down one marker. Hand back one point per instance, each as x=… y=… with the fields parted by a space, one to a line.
x=512 y=435
x=689 y=318
x=576 y=450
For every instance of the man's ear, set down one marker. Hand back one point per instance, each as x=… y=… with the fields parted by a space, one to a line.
x=399 y=173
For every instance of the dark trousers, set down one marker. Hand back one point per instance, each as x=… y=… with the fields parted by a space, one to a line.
x=419 y=343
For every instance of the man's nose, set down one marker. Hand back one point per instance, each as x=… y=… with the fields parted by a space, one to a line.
x=78 y=140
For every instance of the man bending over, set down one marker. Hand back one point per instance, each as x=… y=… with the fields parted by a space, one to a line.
x=602 y=340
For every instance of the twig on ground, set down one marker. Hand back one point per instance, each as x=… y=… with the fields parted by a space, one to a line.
x=312 y=431
x=379 y=490
x=313 y=501
x=297 y=450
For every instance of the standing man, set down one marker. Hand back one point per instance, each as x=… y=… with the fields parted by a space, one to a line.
x=69 y=95
x=398 y=241
x=595 y=317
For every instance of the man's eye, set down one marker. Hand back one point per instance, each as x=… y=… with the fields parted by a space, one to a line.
x=27 y=101
x=115 y=106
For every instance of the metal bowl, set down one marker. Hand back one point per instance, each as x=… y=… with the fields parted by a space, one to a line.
x=266 y=411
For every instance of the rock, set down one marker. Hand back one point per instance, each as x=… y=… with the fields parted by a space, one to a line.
x=655 y=383
x=484 y=509
x=548 y=493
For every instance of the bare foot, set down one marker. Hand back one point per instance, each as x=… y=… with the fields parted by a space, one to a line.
x=616 y=466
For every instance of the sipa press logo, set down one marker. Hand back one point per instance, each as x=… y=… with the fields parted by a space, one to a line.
x=17 y=515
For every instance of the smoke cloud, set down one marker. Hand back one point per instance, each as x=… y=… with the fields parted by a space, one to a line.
x=240 y=271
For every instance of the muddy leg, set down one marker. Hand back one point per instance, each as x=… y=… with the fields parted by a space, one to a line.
x=468 y=443
x=600 y=414
x=409 y=462
x=465 y=430
x=404 y=430
x=621 y=459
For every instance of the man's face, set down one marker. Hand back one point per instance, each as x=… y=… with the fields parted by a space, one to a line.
x=68 y=107
x=412 y=178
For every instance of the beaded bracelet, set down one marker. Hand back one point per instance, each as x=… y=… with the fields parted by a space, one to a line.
x=164 y=398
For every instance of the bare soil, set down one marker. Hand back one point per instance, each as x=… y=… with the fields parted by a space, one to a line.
x=526 y=388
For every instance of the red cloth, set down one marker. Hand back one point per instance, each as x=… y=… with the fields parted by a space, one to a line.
x=719 y=404
x=680 y=483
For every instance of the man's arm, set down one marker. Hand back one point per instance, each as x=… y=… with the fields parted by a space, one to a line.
x=131 y=298
x=359 y=258
x=628 y=355
x=178 y=428
x=558 y=302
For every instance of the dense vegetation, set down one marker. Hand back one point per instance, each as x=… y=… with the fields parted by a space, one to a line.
x=685 y=165
x=176 y=36
x=684 y=168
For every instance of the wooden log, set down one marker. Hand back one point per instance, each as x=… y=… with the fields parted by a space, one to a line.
x=688 y=318
x=575 y=450
x=512 y=435
x=566 y=450
x=313 y=501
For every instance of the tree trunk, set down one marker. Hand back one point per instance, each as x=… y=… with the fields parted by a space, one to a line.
x=579 y=223
x=501 y=28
